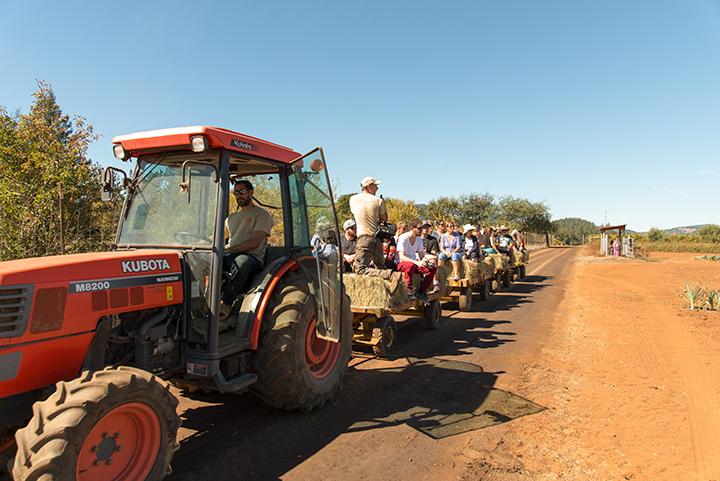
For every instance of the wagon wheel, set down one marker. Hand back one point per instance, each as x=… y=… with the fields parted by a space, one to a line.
x=386 y=335
x=506 y=279
x=521 y=273
x=485 y=290
x=433 y=315
x=465 y=300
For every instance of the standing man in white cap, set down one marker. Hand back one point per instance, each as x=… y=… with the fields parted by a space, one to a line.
x=369 y=211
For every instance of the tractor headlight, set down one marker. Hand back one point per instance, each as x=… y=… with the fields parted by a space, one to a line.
x=198 y=143
x=119 y=151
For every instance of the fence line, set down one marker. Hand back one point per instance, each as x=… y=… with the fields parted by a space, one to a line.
x=534 y=241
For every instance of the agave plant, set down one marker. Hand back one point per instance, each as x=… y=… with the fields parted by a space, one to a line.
x=694 y=295
x=713 y=299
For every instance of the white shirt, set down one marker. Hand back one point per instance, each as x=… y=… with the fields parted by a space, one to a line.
x=413 y=251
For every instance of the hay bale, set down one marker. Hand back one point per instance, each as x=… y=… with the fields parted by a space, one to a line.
x=487 y=268
x=502 y=262
x=373 y=292
x=471 y=271
x=448 y=269
x=517 y=257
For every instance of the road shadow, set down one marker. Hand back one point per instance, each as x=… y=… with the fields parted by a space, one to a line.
x=239 y=437
x=460 y=333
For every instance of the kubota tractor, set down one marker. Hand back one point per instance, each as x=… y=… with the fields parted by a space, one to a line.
x=87 y=341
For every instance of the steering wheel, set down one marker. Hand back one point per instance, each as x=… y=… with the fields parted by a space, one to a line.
x=183 y=238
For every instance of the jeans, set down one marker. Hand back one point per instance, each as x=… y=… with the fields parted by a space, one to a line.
x=456 y=256
x=241 y=269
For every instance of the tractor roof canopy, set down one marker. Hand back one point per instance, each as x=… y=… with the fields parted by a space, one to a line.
x=181 y=139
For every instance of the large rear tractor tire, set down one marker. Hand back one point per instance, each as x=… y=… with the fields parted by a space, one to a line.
x=117 y=424
x=296 y=369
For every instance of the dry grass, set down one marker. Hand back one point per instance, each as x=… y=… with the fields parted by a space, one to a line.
x=373 y=292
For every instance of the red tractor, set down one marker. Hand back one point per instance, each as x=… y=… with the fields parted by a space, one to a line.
x=88 y=341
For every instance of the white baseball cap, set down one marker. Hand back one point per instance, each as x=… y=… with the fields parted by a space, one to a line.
x=369 y=181
x=348 y=223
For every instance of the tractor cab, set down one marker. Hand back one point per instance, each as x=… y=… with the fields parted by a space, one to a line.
x=179 y=196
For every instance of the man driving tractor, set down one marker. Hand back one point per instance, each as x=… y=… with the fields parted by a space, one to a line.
x=247 y=231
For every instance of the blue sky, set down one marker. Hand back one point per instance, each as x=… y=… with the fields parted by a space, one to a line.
x=589 y=106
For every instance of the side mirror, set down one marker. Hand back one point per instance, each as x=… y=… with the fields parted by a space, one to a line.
x=108 y=179
x=106 y=194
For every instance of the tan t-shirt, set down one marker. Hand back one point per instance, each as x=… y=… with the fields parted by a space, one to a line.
x=367 y=209
x=240 y=225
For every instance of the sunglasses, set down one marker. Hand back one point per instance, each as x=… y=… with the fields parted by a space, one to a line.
x=241 y=191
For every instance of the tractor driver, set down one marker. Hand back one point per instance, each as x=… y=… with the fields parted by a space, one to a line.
x=247 y=232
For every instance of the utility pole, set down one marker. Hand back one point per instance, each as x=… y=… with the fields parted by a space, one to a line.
x=606 y=222
x=62 y=219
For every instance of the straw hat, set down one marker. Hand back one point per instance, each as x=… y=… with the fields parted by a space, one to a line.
x=467 y=228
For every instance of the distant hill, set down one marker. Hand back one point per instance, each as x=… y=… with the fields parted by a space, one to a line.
x=688 y=229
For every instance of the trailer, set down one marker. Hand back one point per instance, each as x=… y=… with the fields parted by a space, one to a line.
x=377 y=326
x=520 y=260
x=477 y=281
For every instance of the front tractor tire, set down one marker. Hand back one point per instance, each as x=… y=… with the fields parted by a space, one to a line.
x=117 y=424
x=297 y=370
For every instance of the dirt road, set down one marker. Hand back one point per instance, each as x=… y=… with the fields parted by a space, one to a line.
x=590 y=369
x=418 y=416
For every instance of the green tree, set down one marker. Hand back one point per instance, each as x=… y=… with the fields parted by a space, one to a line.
x=42 y=152
x=342 y=208
x=445 y=209
x=524 y=214
x=655 y=234
x=478 y=209
x=573 y=230
x=709 y=233
x=399 y=209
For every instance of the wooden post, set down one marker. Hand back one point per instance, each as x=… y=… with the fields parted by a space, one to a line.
x=62 y=219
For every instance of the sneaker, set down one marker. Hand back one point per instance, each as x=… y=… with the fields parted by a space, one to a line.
x=395 y=278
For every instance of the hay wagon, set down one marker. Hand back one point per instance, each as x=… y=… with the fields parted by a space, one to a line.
x=476 y=279
x=518 y=269
x=503 y=274
x=375 y=309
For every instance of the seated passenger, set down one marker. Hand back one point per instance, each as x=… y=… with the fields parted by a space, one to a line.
x=414 y=259
x=503 y=241
x=324 y=241
x=470 y=248
x=247 y=232
x=484 y=237
x=432 y=246
x=347 y=242
x=450 y=250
